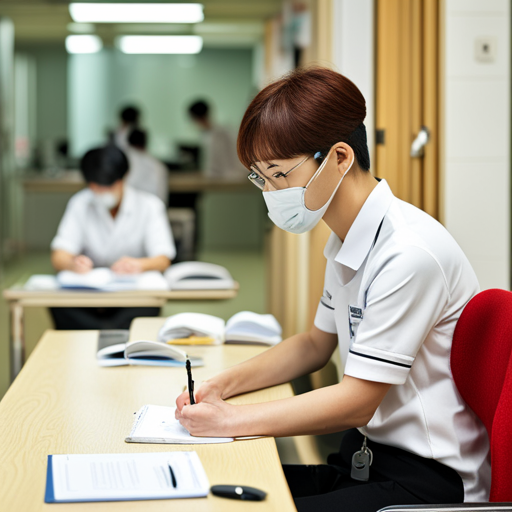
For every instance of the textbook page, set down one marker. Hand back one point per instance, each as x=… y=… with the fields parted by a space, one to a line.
x=157 y=424
x=183 y=325
x=125 y=476
x=198 y=275
x=249 y=327
x=103 y=279
x=145 y=353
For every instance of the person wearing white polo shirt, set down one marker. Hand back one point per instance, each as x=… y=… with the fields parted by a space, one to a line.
x=110 y=224
x=396 y=283
x=146 y=172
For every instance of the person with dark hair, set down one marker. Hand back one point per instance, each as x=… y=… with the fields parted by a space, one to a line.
x=110 y=224
x=129 y=117
x=219 y=145
x=200 y=112
x=395 y=285
x=146 y=172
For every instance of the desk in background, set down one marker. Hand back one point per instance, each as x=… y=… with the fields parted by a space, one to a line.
x=18 y=299
x=63 y=402
x=179 y=182
x=44 y=193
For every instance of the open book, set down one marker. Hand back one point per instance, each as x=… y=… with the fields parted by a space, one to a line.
x=157 y=424
x=146 y=353
x=244 y=327
x=198 y=275
x=104 y=279
x=124 y=476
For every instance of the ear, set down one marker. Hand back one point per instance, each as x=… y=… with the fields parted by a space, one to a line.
x=345 y=156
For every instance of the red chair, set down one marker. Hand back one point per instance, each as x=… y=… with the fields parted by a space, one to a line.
x=481 y=362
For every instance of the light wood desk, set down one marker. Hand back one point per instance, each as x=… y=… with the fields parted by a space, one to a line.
x=63 y=402
x=18 y=298
x=146 y=328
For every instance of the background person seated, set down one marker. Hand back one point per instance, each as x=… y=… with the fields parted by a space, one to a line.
x=129 y=117
x=146 y=172
x=219 y=144
x=110 y=224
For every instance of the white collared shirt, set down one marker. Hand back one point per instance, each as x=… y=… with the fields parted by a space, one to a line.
x=140 y=229
x=221 y=159
x=394 y=291
x=147 y=173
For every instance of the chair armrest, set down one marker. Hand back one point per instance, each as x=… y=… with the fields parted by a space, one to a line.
x=454 y=507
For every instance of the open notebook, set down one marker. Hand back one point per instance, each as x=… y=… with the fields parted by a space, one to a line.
x=141 y=353
x=98 y=279
x=198 y=275
x=244 y=327
x=104 y=279
x=157 y=424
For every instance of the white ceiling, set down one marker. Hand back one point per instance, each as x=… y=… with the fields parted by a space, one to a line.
x=226 y=22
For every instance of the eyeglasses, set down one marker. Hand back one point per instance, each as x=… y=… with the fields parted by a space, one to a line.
x=256 y=179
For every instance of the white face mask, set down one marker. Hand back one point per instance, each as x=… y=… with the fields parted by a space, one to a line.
x=287 y=208
x=108 y=200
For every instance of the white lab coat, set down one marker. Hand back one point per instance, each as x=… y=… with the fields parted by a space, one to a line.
x=147 y=173
x=221 y=157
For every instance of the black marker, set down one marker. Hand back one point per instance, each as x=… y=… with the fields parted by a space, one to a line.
x=238 y=492
x=190 y=383
x=173 y=476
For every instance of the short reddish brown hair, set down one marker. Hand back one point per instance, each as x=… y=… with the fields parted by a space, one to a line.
x=306 y=111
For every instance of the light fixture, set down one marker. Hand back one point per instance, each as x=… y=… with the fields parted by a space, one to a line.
x=159 y=44
x=136 y=13
x=83 y=44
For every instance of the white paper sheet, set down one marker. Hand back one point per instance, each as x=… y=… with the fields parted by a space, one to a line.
x=123 y=476
x=157 y=424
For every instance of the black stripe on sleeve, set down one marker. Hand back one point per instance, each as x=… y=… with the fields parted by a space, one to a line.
x=326 y=305
x=379 y=359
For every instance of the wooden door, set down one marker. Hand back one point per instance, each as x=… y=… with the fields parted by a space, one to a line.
x=407 y=99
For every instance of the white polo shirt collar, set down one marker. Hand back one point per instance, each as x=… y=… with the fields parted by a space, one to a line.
x=359 y=240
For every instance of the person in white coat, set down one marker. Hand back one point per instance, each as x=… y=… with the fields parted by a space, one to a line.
x=110 y=224
x=220 y=158
x=129 y=118
x=146 y=172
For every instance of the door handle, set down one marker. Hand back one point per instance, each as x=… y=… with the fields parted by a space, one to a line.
x=419 y=143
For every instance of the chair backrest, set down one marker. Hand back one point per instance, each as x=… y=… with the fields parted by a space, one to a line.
x=481 y=364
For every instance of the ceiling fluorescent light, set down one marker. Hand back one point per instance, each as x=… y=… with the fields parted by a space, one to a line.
x=136 y=13
x=160 y=44
x=83 y=44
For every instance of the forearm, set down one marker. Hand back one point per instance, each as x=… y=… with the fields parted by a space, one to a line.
x=292 y=358
x=351 y=403
x=159 y=263
x=62 y=260
x=321 y=411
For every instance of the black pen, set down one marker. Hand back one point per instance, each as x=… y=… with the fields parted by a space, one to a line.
x=190 y=383
x=173 y=476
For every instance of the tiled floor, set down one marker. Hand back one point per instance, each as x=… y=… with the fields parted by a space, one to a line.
x=246 y=267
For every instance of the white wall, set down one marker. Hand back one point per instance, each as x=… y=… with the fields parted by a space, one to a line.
x=477 y=137
x=163 y=86
x=353 y=52
x=89 y=108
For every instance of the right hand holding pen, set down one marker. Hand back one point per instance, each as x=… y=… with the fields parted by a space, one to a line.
x=208 y=391
x=82 y=264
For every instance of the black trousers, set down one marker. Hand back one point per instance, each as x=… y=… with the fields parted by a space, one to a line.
x=397 y=477
x=98 y=318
